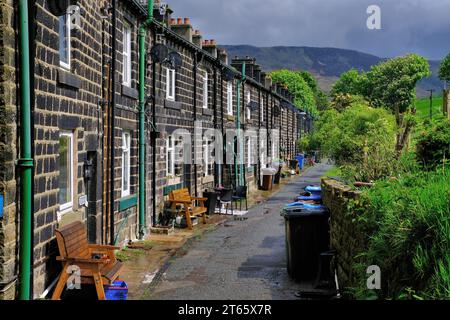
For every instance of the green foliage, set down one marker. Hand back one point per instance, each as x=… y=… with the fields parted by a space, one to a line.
x=361 y=139
x=320 y=97
x=304 y=95
x=349 y=83
x=433 y=144
x=392 y=83
x=444 y=70
x=407 y=223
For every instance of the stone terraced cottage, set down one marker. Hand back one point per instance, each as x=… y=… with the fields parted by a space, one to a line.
x=84 y=127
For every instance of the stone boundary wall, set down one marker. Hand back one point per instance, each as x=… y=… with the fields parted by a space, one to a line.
x=345 y=237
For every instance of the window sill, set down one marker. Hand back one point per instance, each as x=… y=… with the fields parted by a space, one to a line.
x=173 y=181
x=68 y=79
x=230 y=117
x=128 y=202
x=130 y=92
x=208 y=179
x=171 y=104
x=207 y=112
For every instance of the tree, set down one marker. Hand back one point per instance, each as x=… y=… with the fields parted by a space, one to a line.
x=320 y=97
x=304 y=95
x=348 y=84
x=392 y=84
x=444 y=70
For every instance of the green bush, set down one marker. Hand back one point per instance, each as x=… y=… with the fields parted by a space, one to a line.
x=361 y=139
x=433 y=144
x=407 y=224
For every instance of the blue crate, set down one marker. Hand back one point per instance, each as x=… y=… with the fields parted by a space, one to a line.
x=117 y=291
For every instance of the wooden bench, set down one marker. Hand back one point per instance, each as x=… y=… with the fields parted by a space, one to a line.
x=182 y=197
x=75 y=250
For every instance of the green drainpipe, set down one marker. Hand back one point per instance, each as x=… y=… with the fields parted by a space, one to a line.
x=25 y=162
x=142 y=65
x=239 y=173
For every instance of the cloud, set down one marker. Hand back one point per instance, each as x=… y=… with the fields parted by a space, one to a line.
x=421 y=26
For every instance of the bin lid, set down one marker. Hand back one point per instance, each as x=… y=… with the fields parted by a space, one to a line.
x=301 y=212
x=268 y=171
x=313 y=188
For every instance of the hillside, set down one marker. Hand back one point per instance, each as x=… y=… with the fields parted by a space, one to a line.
x=327 y=64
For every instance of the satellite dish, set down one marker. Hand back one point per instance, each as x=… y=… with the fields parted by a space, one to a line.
x=159 y=53
x=253 y=105
x=175 y=60
x=228 y=74
x=59 y=7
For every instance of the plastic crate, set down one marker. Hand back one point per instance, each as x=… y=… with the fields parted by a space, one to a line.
x=117 y=291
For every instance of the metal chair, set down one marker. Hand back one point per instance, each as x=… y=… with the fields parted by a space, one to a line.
x=226 y=197
x=241 y=194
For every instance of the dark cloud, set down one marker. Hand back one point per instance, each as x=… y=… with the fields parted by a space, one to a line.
x=421 y=26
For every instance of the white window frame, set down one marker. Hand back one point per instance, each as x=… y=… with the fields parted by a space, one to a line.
x=68 y=206
x=230 y=98
x=262 y=109
x=170 y=84
x=205 y=91
x=126 y=172
x=206 y=158
x=126 y=53
x=64 y=64
x=249 y=100
x=170 y=152
x=249 y=152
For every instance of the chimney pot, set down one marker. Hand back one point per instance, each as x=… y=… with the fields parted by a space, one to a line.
x=179 y=21
x=206 y=42
x=187 y=21
x=213 y=42
x=173 y=21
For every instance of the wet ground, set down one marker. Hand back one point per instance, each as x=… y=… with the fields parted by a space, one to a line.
x=241 y=260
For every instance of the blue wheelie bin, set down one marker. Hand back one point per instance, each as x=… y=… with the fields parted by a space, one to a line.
x=301 y=160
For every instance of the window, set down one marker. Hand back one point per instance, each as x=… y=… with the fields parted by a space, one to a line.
x=170 y=84
x=249 y=99
x=249 y=152
x=126 y=167
x=172 y=148
x=230 y=98
x=262 y=109
x=207 y=168
x=126 y=54
x=66 y=165
x=170 y=159
x=205 y=91
x=64 y=41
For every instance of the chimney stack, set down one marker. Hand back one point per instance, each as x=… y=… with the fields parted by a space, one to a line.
x=183 y=28
x=197 y=39
x=210 y=46
x=223 y=56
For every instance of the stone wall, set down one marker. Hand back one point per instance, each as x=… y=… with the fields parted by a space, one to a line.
x=8 y=150
x=345 y=237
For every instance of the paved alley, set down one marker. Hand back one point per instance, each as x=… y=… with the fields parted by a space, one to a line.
x=240 y=260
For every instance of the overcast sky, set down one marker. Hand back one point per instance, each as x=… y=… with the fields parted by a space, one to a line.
x=421 y=26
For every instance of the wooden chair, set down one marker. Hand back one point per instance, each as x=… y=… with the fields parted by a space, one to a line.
x=75 y=250
x=182 y=197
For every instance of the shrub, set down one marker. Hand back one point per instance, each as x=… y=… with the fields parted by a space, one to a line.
x=433 y=144
x=407 y=223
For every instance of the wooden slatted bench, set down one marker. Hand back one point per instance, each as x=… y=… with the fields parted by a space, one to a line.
x=75 y=250
x=182 y=197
